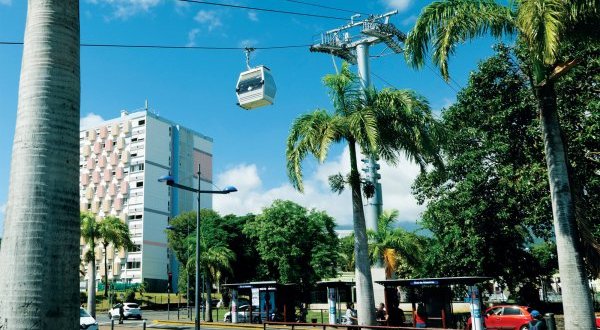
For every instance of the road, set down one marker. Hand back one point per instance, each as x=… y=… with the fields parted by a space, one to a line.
x=150 y=316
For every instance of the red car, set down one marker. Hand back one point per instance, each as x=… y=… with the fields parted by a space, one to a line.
x=506 y=317
x=598 y=322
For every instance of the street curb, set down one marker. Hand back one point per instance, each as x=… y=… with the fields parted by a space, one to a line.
x=211 y=324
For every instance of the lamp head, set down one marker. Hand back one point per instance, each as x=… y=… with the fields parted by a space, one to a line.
x=169 y=227
x=167 y=178
x=229 y=189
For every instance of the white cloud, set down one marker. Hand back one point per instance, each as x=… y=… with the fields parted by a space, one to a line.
x=210 y=18
x=253 y=196
x=126 y=8
x=6 y=2
x=90 y=120
x=253 y=16
x=192 y=37
x=397 y=4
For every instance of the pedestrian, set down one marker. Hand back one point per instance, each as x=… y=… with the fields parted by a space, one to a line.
x=381 y=315
x=351 y=317
x=538 y=322
x=421 y=316
x=121 y=313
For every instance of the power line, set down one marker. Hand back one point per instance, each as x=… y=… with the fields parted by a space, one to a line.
x=170 y=47
x=328 y=7
x=263 y=9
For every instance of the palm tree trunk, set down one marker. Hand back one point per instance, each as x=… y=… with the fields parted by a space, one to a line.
x=105 y=272
x=576 y=297
x=208 y=297
x=364 y=284
x=91 y=298
x=40 y=250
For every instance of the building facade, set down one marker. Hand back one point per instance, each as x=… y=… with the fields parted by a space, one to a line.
x=120 y=163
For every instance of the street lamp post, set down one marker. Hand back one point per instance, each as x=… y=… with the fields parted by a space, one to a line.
x=170 y=181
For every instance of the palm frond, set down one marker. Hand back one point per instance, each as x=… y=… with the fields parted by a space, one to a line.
x=541 y=23
x=364 y=128
x=448 y=23
x=343 y=89
x=407 y=127
x=310 y=133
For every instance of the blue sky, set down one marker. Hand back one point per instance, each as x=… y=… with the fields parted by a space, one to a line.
x=197 y=87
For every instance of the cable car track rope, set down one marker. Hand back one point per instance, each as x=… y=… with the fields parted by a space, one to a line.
x=201 y=2
x=173 y=47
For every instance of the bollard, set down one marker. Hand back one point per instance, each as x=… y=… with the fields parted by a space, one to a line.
x=144 y=325
x=112 y=324
x=550 y=321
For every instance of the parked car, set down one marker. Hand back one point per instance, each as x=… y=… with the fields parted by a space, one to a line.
x=598 y=322
x=243 y=314
x=505 y=317
x=86 y=321
x=130 y=311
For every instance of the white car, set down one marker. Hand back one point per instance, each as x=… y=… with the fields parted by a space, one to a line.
x=86 y=321
x=243 y=314
x=130 y=311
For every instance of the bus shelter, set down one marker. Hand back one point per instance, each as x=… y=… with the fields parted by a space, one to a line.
x=265 y=300
x=337 y=290
x=437 y=296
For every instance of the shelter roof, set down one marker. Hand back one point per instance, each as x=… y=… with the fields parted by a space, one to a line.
x=436 y=281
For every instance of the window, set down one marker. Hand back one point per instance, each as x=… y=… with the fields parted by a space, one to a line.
x=133 y=265
x=133 y=139
x=511 y=311
x=135 y=248
x=134 y=155
x=139 y=184
x=142 y=122
x=135 y=217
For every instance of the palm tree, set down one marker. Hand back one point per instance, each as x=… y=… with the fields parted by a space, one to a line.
x=89 y=233
x=541 y=26
x=213 y=260
x=112 y=230
x=374 y=122
x=40 y=247
x=393 y=245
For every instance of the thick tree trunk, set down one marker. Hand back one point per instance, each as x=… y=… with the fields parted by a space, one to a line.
x=40 y=249
x=365 y=300
x=576 y=297
x=91 y=298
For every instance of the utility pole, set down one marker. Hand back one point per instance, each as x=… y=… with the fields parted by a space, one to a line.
x=355 y=49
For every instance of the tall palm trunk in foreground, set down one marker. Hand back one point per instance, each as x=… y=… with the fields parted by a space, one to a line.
x=40 y=250
x=575 y=292
x=362 y=265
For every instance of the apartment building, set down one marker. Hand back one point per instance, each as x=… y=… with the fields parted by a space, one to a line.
x=120 y=162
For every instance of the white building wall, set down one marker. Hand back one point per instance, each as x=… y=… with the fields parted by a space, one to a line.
x=144 y=146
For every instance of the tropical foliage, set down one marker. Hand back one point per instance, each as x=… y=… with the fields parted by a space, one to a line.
x=89 y=233
x=542 y=27
x=114 y=232
x=399 y=250
x=387 y=124
x=295 y=245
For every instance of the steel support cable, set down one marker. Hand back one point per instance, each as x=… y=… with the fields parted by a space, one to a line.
x=170 y=47
x=328 y=7
x=201 y=2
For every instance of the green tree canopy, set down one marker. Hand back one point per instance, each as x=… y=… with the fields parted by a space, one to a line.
x=492 y=201
x=295 y=245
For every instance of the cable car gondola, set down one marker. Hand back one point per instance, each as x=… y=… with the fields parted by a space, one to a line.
x=256 y=86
